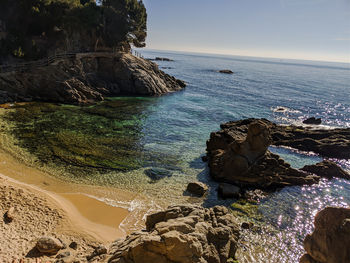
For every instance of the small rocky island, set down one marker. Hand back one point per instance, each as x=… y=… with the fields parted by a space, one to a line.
x=238 y=154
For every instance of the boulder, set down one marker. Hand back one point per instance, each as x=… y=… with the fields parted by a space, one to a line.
x=327 y=169
x=49 y=245
x=330 y=241
x=197 y=188
x=240 y=157
x=182 y=234
x=313 y=121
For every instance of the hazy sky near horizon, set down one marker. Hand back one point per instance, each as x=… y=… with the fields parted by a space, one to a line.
x=299 y=29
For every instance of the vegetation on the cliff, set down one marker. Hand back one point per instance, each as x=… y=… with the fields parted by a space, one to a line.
x=31 y=29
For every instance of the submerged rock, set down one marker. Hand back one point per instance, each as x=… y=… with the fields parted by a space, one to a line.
x=156 y=174
x=313 y=121
x=330 y=241
x=197 y=188
x=241 y=157
x=229 y=191
x=327 y=169
x=88 y=78
x=182 y=234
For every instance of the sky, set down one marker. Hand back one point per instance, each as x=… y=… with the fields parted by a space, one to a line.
x=294 y=29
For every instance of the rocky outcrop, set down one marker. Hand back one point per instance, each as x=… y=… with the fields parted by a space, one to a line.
x=181 y=234
x=88 y=78
x=313 y=121
x=240 y=156
x=330 y=241
x=327 y=169
x=226 y=71
x=332 y=143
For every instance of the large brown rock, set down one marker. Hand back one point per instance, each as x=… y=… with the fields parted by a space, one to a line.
x=330 y=241
x=327 y=169
x=240 y=156
x=48 y=245
x=182 y=234
x=87 y=78
x=332 y=143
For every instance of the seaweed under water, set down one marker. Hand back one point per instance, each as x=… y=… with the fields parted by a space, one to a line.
x=84 y=140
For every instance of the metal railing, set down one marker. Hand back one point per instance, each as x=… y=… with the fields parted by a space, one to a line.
x=136 y=53
x=37 y=63
x=49 y=60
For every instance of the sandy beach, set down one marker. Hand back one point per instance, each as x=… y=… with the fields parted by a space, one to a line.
x=58 y=210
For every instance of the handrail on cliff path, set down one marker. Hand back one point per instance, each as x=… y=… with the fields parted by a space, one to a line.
x=37 y=63
x=49 y=60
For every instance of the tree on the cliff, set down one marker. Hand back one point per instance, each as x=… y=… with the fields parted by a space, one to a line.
x=34 y=28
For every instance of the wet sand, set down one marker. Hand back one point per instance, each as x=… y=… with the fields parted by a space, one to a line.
x=86 y=214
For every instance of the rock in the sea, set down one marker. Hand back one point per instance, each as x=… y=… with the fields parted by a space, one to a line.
x=327 y=169
x=182 y=234
x=229 y=191
x=241 y=157
x=226 y=71
x=10 y=214
x=163 y=59
x=330 y=241
x=313 y=121
x=197 y=188
x=88 y=78
x=49 y=245
x=331 y=143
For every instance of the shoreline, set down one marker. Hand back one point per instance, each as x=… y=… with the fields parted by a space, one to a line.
x=79 y=216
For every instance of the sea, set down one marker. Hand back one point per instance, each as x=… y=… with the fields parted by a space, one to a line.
x=152 y=147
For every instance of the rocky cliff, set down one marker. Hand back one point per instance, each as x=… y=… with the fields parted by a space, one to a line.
x=87 y=78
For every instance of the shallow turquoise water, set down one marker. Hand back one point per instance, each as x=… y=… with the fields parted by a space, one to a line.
x=119 y=141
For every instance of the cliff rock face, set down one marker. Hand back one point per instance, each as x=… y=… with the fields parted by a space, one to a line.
x=330 y=241
x=182 y=234
x=87 y=78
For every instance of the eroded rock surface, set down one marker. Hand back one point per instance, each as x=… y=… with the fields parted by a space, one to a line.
x=239 y=155
x=332 y=143
x=330 y=241
x=181 y=234
x=88 y=78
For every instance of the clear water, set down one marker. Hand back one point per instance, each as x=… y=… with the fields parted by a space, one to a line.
x=170 y=132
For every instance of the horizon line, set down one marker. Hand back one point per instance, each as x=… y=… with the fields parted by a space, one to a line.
x=232 y=54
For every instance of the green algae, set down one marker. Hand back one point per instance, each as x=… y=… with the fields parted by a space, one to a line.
x=85 y=141
x=248 y=210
